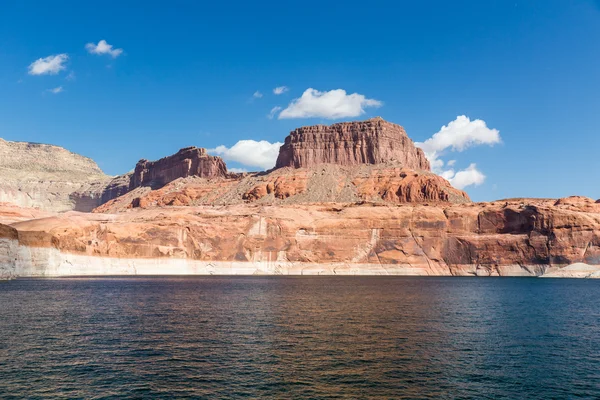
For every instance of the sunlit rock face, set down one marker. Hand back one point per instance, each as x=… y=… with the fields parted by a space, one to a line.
x=189 y=161
x=49 y=177
x=373 y=141
x=519 y=237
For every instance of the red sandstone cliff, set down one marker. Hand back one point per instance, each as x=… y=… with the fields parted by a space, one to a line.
x=189 y=161
x=512 y=237
x=373 y=141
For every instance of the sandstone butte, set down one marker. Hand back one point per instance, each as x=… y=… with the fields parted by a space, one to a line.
x=374 y=141
x=352 y=198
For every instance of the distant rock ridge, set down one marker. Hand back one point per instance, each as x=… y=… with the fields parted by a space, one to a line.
x=49 y=177
x=26 y=158
x=373 y=141
x=189 y=161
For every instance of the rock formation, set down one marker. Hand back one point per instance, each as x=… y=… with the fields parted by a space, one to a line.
x=49 y=177
x=351 y=198
x=519 y=237
x=52 y=178
x=373 y=141
x=327 y=183
x=373 y=160
x=189 y=161
x=402 y=185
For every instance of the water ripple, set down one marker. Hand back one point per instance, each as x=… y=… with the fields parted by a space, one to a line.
x=300 y=337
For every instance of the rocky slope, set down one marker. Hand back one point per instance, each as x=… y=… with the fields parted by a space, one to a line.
x=374 y=141
x=521 y=237
x=383 y=183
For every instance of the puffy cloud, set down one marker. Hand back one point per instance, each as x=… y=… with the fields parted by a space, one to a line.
x=332 y=105
x=466 y=177
x=459 y=135
x=237 y=170
x=56 y=90
x=280 y=90
x=257 y=95
x=251 y=153
x=273 y=111
x=50 y=65
x=103 y=48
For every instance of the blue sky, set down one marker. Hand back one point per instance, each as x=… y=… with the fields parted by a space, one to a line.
x=188 y=71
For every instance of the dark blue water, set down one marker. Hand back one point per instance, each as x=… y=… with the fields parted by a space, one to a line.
x=319 y=337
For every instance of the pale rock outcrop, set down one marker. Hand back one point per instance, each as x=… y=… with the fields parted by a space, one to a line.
x=48 y=177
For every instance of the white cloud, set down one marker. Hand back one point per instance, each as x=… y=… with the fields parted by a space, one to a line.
x=251 y=153
x=103 y=48
x=257 y=95
x=459 y=135
x=273 y=111
x=56 y=90
x=280 y=90
x=237 y=170
x=333 y=104
x=50 y=65
x=466 y=177
x=70 y=76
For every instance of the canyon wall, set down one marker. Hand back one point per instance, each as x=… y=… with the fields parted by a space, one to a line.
x=506 y=238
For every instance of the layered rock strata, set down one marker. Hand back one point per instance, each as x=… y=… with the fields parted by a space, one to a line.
x=189 y=161
x=373 y=141
x=49 y=177
x=520 y=237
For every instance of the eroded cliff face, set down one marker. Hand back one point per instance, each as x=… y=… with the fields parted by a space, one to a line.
x=189 y=161
x=523 y=237
x=374 y=141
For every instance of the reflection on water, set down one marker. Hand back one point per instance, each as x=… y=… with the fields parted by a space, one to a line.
x=300 y=337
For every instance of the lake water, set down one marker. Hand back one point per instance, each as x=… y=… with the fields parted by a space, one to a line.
x=300 y=337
